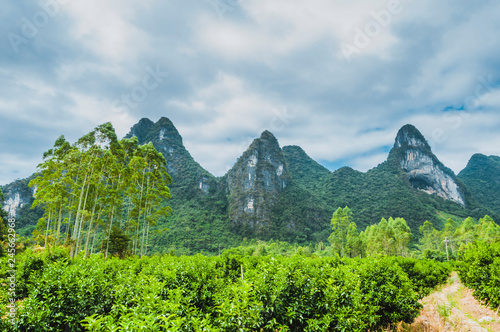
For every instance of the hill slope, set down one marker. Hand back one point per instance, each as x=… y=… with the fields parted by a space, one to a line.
x=412 y=184
x=482 y=177
x=283 y=194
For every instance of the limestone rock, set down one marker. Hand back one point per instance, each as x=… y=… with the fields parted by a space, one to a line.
x=425 y=172
x=255 y=181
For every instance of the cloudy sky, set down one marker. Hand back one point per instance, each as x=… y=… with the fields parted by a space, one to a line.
x=336 y=77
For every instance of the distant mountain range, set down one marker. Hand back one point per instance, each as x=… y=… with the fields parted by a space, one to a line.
x=283 y=194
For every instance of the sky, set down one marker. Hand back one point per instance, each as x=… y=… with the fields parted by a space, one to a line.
x=336 y=77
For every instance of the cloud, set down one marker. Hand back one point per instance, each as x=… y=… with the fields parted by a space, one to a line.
x=276 y=65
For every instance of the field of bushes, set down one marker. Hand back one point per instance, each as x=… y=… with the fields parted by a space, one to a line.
x=224 y=293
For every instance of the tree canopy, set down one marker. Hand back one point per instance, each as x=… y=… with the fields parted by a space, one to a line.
x=98 y=183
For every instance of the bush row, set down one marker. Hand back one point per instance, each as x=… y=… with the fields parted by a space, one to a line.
x=227 y=293
x=479 y=269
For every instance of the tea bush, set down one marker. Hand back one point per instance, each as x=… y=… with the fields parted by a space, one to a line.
x=479 y=269
x=227 y=293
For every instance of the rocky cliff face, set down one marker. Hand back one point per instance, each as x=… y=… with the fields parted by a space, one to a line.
x=424 y=170
x=274 y=193
x=180 y=164
x=17 y=195
x=256 y=180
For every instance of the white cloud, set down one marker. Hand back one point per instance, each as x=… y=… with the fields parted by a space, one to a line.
x=108 y=29
x=232 y=77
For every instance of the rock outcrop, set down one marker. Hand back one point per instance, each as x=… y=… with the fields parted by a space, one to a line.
x=181 y=166
x=17 y=195
x=256 y=180
x=425 y=172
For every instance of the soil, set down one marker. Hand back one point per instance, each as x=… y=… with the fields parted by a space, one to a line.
x=453 y=309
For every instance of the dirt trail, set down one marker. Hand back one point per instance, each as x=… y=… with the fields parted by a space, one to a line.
x=454 y=309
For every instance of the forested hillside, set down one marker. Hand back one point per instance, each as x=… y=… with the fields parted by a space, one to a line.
x=274 y=193
x=482 y=177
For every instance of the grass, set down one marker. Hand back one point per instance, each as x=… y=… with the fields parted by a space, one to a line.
x=444 y=310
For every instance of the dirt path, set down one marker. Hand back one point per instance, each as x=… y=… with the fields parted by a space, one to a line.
x=453 y=309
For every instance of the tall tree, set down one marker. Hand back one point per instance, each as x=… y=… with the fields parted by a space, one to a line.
x=430 y=238
x=354 y=245
x=388 y=237
x=340 y=222
x=402 y=236
x=100 y=183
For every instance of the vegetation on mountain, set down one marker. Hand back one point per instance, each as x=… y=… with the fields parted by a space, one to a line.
x=290 y=197
x=482 y=178
x=385 y=192
x=26 y=216
x=304 y=171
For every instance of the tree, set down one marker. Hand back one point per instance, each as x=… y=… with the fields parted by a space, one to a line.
x=99 y=183
x=466 y=233
x=448 y=237
x=429 y=238
x=118 y=242
x=354 y=246
x=340 y=222
x=388 y=237
x=488 y=230
x=430 y=242
x=402 y=236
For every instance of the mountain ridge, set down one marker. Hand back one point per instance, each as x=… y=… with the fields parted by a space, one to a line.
x=281 y=193
x=482 y=177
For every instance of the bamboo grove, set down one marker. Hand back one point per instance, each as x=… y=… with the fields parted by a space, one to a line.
x=98 y=190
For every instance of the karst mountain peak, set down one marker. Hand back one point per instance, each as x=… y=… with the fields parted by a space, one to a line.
x=274 y=192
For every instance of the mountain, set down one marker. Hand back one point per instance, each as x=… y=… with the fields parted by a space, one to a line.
x=188 y=177
x=412 y=183
x=18 y=199
x=425 y=172
x=482 y=178
x=270 y=196
x=283 y=194
x=256 y=181
x=303 y=169
x=199 y=220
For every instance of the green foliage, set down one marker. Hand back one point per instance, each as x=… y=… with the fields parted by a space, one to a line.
x=482 y=178
x=479 y=269
x=386 y=288
x=444 y=244
x=389 y=237
x=425 y=275
x=227 y=293
x=118 y=242
x=96 y=184
x=344 y=238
